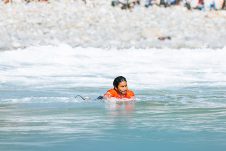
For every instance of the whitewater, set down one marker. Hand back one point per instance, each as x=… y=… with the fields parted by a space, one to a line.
x=52 y=52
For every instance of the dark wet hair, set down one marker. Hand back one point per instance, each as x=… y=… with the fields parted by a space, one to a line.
x=117 y=80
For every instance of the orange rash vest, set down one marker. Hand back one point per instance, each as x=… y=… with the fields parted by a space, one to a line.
x=112 y=93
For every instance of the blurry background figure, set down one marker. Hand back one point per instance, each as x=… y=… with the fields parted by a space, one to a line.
x=148 y=3
x=204 y=4
x=213 y=4
x=125 y=4
x=194 y=4
x=168 y=3
x=165 y=3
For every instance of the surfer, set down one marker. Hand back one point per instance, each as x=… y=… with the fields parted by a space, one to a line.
x=120 y=90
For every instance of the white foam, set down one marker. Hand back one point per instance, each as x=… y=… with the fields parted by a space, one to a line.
x=64 y=66
x=41 y=100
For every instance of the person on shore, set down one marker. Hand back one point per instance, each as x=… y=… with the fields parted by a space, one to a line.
x=213 y=4
x=120 y=90
x=166 y=3
x=125 y=4
x=194 y=4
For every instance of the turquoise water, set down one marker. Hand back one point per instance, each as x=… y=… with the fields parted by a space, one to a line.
x=172 y=119
x=180 y=105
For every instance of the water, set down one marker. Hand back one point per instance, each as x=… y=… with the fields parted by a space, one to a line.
x=180 y=99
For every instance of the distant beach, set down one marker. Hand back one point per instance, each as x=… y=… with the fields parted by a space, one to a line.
x=98 y=24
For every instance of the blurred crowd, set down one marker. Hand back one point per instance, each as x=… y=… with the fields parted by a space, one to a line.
x=190 y=4
x=129 y=4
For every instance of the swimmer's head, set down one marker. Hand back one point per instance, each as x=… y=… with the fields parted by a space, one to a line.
x=120 y=84
x=117 y=80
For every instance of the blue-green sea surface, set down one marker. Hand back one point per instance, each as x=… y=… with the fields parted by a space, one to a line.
x=180 y=100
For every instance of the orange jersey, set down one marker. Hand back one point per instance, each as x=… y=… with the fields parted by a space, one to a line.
x=112 y=93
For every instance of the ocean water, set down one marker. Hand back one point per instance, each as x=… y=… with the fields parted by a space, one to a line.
x=180 y=99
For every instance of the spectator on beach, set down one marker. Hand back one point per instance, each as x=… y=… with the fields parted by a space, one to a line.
x=125 y=4
x=213 y=4
x=165 y=3
x=148 y=3
x=194 y=4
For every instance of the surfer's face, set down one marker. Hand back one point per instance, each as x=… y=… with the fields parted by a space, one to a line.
x=122 y=87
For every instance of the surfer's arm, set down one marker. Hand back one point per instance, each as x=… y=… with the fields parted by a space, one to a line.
x=107 y=95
